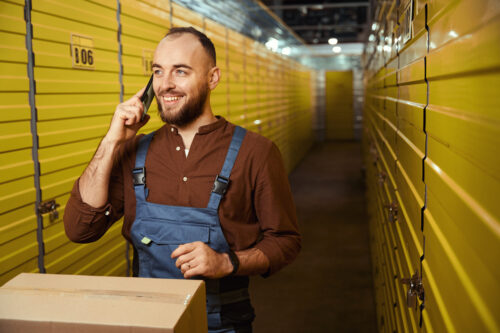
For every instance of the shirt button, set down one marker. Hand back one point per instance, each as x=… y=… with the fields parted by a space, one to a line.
x=177 y=148
x=106 y=213
x=171 y=129
x=185 y=179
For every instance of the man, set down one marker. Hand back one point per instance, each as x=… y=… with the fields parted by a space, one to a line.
x=182 y=223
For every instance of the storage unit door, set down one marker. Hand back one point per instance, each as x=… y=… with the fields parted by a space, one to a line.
x=18 y=222
x=339 y=108
x=77 y=89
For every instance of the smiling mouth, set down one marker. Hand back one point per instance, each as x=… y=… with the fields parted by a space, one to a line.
x=171 y=98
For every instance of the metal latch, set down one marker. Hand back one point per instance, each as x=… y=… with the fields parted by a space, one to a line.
x=393 y=211
x=49 y=206
x=382 y=177
x=416 y=290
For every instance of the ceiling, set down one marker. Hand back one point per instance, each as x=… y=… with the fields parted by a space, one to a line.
x=317 y=21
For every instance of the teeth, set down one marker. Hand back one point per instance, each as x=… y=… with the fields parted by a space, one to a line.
x=170 y=99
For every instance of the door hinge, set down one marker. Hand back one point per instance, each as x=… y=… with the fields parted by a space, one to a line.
x=49 y=206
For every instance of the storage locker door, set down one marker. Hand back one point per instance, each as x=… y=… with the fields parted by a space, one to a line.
x=236 y=68
x=462 y=219
x=339 y=110
x=219 y=96
x=77 y=89
x=143 y=25
x=18 y=223
x=251 y=93
x=184 y=17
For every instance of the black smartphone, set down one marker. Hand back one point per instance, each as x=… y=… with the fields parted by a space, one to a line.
x=147 y=96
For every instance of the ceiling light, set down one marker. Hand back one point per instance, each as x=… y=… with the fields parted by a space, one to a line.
x=374 y=26
x=337 y=49
x=333 y=41
x=371 y=38
x=272 y=44
x=286 y=50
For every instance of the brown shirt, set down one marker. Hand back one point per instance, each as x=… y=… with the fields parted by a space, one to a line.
x=256 y=211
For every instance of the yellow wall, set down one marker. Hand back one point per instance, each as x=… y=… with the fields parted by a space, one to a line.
x=75 y=98
x=339 y=110
x=431 y=138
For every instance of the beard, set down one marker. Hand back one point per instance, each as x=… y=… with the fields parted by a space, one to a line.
x=188 y=113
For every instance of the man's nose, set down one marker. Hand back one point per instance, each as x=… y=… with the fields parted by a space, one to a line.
x=166 y=82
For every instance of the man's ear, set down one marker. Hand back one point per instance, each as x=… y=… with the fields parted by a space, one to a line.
x=214 y=77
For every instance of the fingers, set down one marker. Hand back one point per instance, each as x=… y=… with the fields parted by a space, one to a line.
x=130 y=114
x=136 y=99
x=183 y=249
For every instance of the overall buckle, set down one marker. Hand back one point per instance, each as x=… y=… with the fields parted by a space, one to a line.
x=139 y=176
x=220 y=185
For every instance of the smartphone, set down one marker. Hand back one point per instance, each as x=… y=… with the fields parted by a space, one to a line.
x=147 y=97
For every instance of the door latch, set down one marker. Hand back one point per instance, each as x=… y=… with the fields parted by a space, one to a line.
x=393 y=211
x=416 y=289
x=382 y=176
x=49 y=206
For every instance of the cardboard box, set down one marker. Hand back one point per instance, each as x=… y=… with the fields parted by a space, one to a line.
x=75 y=303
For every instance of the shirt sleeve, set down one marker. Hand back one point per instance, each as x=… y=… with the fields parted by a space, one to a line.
x=84 y=223
x=275 y=209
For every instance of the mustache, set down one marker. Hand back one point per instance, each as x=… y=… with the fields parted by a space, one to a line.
x=169 y=91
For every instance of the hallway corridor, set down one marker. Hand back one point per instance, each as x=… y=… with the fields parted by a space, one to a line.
x=329 y=287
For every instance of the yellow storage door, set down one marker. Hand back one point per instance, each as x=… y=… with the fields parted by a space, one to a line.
x=462 y=219
x=236 y=78
x=219 y=96
x=339 y=109
x=143 y=25
x=77 y=88
x=18 y=222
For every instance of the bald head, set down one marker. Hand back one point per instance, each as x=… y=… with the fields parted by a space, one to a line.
x=205 y=42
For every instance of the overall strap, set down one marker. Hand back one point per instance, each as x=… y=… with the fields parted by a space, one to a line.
x=222 y=179
x=139 y=171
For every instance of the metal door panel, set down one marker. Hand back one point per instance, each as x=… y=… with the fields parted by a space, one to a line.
x=410 y=191
x=470 y=296
x=17 y=222
x=18 y=251
x=75 y=11
x=109 y=254
x=53 y=81
x=65 y=256
x=13 y=76
x=460 y=54
x=18 y=241
x=17 y=193
x=451 y=19
x=468 y=105
x=57 y=132
x=183 y=17
x=14 y=106
x=409 y=241
x=60 y=106
x=464 y=236
x=411 y=103
x=411 y=60
x=436 y=314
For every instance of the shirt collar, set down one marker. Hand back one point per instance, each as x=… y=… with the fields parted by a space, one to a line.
x=221 y=121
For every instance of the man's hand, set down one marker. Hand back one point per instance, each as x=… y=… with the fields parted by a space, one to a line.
x=127 y=119
x=198 y=259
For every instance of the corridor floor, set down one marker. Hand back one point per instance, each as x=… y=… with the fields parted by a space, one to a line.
x=329 y=287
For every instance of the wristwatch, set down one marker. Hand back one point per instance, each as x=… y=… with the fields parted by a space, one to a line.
x=235 y=261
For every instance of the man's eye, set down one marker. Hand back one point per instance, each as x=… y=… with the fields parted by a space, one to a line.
x=157 y=72
x=181 y=72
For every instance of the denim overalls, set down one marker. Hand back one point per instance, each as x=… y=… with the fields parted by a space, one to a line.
x=159 y=229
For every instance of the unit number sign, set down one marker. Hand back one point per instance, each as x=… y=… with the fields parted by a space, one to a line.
x=82 y=52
